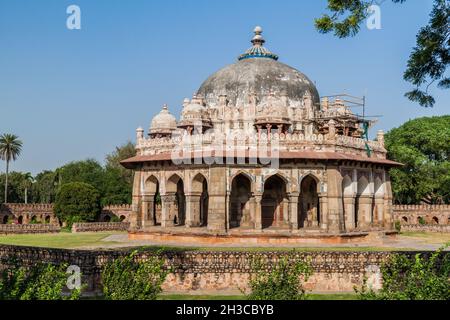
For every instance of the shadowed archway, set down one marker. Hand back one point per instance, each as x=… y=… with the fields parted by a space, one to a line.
x=239 y=200
x=309 y=209
x=274 y=203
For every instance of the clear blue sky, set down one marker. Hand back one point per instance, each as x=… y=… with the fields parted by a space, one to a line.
x=76 y=94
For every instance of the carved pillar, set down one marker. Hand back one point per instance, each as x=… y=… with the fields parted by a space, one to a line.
x=217 y=216
x=349 y=213
x=169 y=210
x=148 y=211
x=365 y=203
x=378 y=214
x=258 y=213
x=193 y=210
x=253 y=213
x=293 y=210
x=135 y=216
x=334 y=197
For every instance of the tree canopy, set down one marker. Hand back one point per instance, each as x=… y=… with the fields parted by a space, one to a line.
x=423 y=146
x=77 y=202
x=430 y=57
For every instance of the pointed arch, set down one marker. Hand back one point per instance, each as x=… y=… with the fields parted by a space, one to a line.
x=151 y=185
x=309 y=208
x=274 y=204
x=239 y=206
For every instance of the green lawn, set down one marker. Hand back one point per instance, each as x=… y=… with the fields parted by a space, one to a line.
x=341 y=296
x=59 y=240
x=429 y=237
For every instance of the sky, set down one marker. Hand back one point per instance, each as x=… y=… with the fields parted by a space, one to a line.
x=76 y=94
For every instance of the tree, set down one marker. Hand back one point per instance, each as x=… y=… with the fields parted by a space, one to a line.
x=118 y=180
x=87 y=171
x=27 y=184
x=428 y=61
x=10 y=149
x=16 y=187
x=423 y=146
x=44 y=187
x=77 y=202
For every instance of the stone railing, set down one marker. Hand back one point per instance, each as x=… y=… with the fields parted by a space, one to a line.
x=217 y=272
x=288 y=142
x=123 y=207
x=100 y=226
x=426 y=228
x=422 y=208
x=22 y=207
x=28 y=228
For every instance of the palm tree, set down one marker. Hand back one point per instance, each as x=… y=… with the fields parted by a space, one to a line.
x=10 y=148
x=27 y=183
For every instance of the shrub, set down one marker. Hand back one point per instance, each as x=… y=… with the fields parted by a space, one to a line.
x=398 y=226
x=40 y=282
x=77 y=202
x=413 y=278
x=422 y=221
x=126 y=278
x=282 y=282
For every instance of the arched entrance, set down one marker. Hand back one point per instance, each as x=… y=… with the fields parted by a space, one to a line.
x=274 y=202
x=309 y=209
x=175 y=186
x=200 y=201
x=5 y=220
x=152 y=191
x=20 y=220
x=47 y=219
x=239 y=200
x=107 y=218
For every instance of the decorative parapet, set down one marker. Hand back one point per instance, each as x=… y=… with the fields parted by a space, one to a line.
x=426 y=228
x=100 y=226
x=122 y=207
x=422 y=208
x=286 y=142
x=15 y=207
x=28 y=228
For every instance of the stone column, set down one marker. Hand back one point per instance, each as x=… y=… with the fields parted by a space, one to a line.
x=349 y=213
x=148 y=215
x=365 y=210
x=135 y=216
x=258 y=213
x=253 y=213
x=193 y=210
x=323 y=205
x=293 y=209
x=378 y=213
x=388 y=198
x=169 y=206
x=334 y=196
x=217 y=217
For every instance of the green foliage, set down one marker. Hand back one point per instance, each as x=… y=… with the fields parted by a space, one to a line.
x=398 y=226
x=44 y=187
x=16 y=187
x=417 y=278
x=126 y=278
x=41 y=282
x=10 y=149
x=423 y=146
x=77 y=202
x=429 y=59
x=422 y=221
x=283 y=281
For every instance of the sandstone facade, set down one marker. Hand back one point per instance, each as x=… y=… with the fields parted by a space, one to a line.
x=257 y=151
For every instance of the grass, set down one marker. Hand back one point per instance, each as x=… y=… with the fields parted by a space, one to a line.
x=59 y=240
x=341 y=296
x=428 y=237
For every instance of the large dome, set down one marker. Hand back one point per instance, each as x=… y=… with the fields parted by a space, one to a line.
x=258 y=72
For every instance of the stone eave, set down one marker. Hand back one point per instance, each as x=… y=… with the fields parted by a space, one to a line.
x=134 y=162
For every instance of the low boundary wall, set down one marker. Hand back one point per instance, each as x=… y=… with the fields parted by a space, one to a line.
x=218 y=272
x=100 y=226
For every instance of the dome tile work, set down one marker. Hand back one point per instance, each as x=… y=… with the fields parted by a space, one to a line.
x=328 y=179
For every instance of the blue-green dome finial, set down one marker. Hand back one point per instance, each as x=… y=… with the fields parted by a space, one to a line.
x=258 y=50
